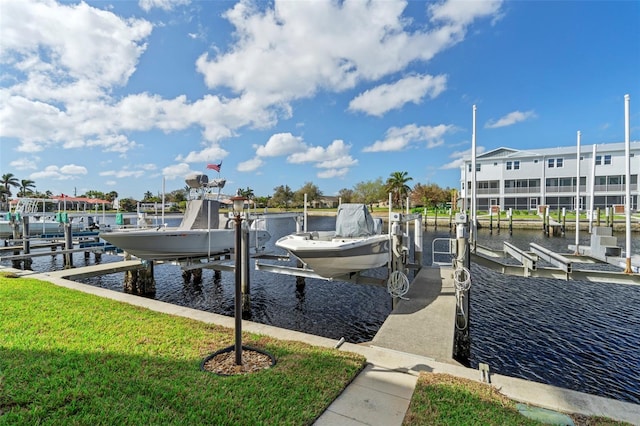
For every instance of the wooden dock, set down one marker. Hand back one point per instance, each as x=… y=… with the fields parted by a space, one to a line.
x=95 y=270
x=424 y=323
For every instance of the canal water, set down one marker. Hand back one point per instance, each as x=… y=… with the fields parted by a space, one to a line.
x=573 y=334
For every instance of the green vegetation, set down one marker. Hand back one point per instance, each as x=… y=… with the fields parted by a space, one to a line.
x=71 y=358
x=441 y=399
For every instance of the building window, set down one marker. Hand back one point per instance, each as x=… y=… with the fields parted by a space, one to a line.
x=607 y=159
x=598 y=160
x=477 y=167
x=509 y=165
x=535 y=161
x=516 y=165
x=559 y=162
x=551 y=162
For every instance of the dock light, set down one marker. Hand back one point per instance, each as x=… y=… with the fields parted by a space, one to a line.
x=238 y=206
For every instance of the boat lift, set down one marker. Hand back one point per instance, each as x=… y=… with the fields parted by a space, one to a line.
x=399 y=257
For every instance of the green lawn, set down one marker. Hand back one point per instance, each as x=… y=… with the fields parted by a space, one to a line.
x=441 y=399
x=71 y=358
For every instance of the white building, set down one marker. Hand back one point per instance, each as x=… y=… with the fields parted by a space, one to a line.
x=524 y=180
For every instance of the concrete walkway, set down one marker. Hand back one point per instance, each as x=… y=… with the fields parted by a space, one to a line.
x=381 y=393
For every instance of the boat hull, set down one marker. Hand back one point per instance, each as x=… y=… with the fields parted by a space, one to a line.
x=37 y=228
x=331 y=258
x=163 y=244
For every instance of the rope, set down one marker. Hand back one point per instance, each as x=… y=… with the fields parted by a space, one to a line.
x=398 y=284
x=462 y=279
x=462 y=283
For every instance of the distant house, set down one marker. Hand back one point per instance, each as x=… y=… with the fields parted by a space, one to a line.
x=325 y=202
x=526 y=179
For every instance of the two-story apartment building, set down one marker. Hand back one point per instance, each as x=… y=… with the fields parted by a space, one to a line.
x=525 y=179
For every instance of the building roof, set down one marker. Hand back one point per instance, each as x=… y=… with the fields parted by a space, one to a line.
x=504 y=152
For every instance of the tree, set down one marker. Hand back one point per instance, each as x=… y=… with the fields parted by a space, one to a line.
x=9 y=180
x=282 y=196
x=312 y=191
x=397 y=186
x=26 y=186
x=247 y=193
x=369 y=192
x=346 y=195
x=111 y=196
x=147 y=196
x=128 y=205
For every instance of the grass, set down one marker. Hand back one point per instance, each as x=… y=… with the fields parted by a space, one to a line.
x=67 y=357
x=441 y=399
x=71 y=358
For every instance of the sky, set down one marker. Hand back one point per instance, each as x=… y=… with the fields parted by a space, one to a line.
x=122 y=95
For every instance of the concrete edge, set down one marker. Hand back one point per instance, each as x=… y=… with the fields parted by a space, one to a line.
x=521 y=390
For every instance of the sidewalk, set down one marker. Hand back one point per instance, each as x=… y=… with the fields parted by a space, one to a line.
x=377 y=396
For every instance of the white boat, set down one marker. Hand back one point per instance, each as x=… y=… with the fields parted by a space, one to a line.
x=356 y=245
x=40 y=222
x=199 y=234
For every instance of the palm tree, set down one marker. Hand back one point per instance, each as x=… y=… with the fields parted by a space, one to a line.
x=397 y=185
x=26 y=185
x=9 y=180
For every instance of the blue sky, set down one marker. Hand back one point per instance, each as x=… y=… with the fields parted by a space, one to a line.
x=114 y=95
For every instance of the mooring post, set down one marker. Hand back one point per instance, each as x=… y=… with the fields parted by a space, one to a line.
x=246 y=281
x=417 y=243
x=598 y=216
x=15 y=230
x=197 y=276
x=462 y=282
x=26 y=244
x=510 y=214
x=490 y=220
x=68 y=245
x=435 y=222
x=499 y=214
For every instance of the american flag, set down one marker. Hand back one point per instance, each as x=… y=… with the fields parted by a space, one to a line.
x=215 y=167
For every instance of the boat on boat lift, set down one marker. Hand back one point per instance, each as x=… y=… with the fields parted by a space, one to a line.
x=199 y=234
x=40 y=222
x=357 y=244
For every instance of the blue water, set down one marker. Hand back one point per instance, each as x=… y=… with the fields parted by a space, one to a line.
x=574 y=334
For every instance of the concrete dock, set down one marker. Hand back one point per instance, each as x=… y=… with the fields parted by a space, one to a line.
x=423 y=322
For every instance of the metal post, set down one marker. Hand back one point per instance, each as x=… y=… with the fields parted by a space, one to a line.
x=473 y=181
x=238 y=294
x=578 y=195
x=246 y=283
x=627 y=163
x=592 y=188
x=26 y=246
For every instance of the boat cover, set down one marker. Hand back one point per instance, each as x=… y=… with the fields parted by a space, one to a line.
x=354 y=220
x=196 y=215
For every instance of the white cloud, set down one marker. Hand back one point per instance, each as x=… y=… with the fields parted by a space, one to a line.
x=381 y=99
x=510 y=119
x=369 y=40
x=214 y=152
x=460 y=156
x=250 y=165
x=281 y=144
x=398 y=138
x=176 y=171
x=332 y=173
x=70 y=171
x=167 y=5
x=123 y=173
x=25 y=163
